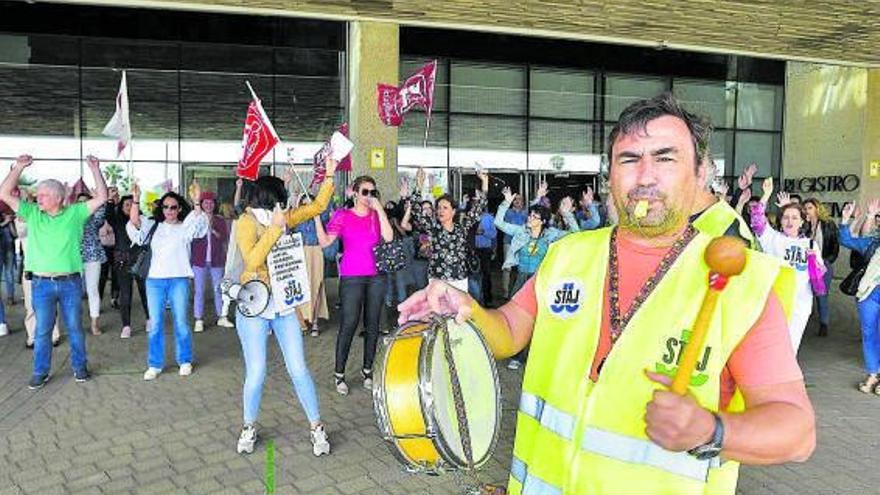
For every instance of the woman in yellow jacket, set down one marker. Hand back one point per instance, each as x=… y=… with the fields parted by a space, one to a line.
x=257 y=231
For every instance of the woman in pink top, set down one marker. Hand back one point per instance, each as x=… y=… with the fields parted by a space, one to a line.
x=361 y=228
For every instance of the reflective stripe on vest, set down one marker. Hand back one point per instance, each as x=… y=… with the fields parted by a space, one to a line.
x=638 y=451
x=550 y=417
x=531 y=485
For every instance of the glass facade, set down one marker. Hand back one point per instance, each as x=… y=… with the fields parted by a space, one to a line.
x=526 y=113
x=187 y=102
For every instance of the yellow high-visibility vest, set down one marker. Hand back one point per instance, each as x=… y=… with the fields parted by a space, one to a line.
x=574 y=436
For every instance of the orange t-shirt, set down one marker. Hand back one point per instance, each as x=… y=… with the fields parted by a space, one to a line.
x=764 y=357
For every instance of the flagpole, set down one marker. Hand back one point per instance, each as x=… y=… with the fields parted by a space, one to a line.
x=292 y=168
x=427 y=126
x=253 y=93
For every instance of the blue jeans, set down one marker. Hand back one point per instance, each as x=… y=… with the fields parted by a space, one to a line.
x=7 y=268
x=869 y=317
x=822 y=301
x=176 y=290
x=253 y=333
x=47 y=295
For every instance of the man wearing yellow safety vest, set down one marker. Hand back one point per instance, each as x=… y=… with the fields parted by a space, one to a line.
x=607 y=315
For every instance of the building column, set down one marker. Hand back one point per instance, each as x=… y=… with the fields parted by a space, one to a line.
x=374 y=57
x=871 y=143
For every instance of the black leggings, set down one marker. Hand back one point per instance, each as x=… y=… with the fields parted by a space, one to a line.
x=359 y=294
x=126 y=293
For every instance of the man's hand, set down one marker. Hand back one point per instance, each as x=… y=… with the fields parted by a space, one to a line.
x=767 y=186
x=135 y=193
x=745 y=180
x=675 y=422
x=93 y=162
x=404 y=188
x=279 y=218
x=484 y=180
x=847 y=212
x=420 y=178
x=438 y=297
x=239 y=183
x=23 y=161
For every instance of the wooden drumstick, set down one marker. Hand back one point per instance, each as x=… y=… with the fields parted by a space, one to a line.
x=726 y=257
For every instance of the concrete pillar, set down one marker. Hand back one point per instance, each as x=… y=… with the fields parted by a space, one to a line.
x=871 y=146
x=374 y=57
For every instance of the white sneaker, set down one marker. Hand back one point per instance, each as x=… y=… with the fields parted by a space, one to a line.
x=368 y=380
x=247 y=439
x=152 y=373
x=4 y=330
x=513 y=364
x=224 y=322
x=320 y=445
x=199 y=326
x=341 y=386
x=186 y=369
x=147 y=326
x=126 y=333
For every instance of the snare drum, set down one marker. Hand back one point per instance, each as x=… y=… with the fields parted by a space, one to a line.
x=413 y=399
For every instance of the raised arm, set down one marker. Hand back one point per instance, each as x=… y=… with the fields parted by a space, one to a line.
x=255 y=249
x=588 y=203
x=11 y=180
x=502 y=225
x=475 y=211
x=846 y=237
x=321 y=202
x=407 y=214
x=100 y=196
x=566 y=208
x=134 y=215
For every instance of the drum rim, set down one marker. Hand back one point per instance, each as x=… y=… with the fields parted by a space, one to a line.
x=440 y=443
x=380 y=408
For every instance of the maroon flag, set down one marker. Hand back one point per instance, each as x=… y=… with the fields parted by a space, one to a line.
x=257 y=141
x=320 y=159
x=416 y=91
x=78 y=188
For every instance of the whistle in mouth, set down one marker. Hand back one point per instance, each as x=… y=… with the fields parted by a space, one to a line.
x=641 y=210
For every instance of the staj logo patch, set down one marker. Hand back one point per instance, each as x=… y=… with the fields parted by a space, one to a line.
x=565 y=298
x=293 y=293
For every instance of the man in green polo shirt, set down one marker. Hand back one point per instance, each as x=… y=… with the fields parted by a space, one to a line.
x=54 y=261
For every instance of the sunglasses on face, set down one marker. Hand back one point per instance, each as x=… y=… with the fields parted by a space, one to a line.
x=170 y=207
x=370 y=192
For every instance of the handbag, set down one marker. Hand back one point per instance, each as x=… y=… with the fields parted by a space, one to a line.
x=850 y=285
x=142 y=255
x=816 y=273
x=390 y=256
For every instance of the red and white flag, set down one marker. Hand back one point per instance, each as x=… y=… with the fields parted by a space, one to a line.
x=416 y=91
x=257 y=140
x=119 y=126
x=337 y=147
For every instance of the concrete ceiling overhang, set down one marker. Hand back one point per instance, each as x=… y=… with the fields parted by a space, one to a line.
x=845 y=32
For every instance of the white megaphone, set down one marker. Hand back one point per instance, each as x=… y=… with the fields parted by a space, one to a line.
x=251 y=298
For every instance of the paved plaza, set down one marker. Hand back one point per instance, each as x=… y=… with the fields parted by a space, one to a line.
x=118 y=434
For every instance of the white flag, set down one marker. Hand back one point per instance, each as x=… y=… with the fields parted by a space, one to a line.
x=119 y=126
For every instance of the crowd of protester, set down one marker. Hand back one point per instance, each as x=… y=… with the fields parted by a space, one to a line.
x=76 y=247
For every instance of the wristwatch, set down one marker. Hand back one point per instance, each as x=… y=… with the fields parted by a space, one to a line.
x=712 y=448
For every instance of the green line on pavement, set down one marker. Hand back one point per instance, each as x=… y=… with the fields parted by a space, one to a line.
x=270 y=467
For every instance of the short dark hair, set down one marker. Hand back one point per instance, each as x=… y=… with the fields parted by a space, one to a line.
x=356 y=185
x=267 y=191
x=635 y=118
x=542 y=212
x=449 y=199
x=182 y=211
